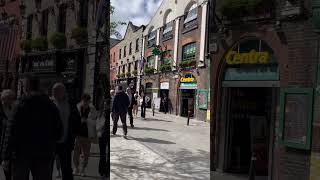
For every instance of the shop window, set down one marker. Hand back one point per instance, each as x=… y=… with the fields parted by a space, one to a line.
x=137 y=45
x=152 y=39
x=190 y=18
x=29 y=26
x=62 y=18
x=150 y=61
x=83 y=13
x=44 y=23
x=189 y=52
x=114 y=56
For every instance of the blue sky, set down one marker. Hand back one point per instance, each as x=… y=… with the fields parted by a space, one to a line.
x=139 y=12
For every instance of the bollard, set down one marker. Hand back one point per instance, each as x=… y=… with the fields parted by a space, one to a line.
x=188 y=118
x=252 y=172
x=153 y=109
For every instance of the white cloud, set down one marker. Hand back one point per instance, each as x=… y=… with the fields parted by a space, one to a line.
x=139 y=12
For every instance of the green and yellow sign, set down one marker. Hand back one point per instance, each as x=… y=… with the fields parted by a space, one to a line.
x=252 y=57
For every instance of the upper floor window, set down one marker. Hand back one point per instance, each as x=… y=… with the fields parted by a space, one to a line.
x=62 y=18
x=137 y=45
x=130 y=48
x=83 y=13
x=29 y=26
x=114 y=56
x=119 y=53
x=136 y=65
x=191 y=17
x=189 y=52
x=152 y=38
x=150 y=61
x=44 y=23
x=124 y=51
x=168 y=28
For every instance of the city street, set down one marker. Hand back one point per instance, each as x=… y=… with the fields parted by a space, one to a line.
x=161 y=147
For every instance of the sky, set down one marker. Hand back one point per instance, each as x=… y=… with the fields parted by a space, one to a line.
x=139 y=12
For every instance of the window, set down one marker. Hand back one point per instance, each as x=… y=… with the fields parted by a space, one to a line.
x=29 y=26
x=44 y=23
x=83 y=14
x=136 y=65
x=120 y=54
x=123 y=69
x=137 y=45
x=150 y=61
x=124 y=51
x=168 y=28
x=189 y=52
x=130 y=48
x=129 y=67
x=190 y=19
x=119 y=69
x=152 y=39
x=114 y=56
x=62 y=18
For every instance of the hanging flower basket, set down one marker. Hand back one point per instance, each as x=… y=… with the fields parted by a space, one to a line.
x=165 y=68
x=187 y=64
x=149 y=71
x=40 y=44
x=80 y=35
x=58 y=40
x=26 y=45
x=135 y=72
x=128 y=74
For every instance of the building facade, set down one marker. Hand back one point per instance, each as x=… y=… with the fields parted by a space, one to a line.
x=126 y=57
x=59 y=44
x=113 y=62
x=180 y=71
x=264 y=89
x=10 y=23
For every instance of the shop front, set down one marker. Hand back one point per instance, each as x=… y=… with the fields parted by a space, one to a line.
x=248 y=100
x=164 y=94
x=55 y=66
x=188 y=92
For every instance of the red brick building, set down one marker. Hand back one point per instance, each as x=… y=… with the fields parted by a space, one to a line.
x=113 y=62
x=10 y=24
x=264 y=100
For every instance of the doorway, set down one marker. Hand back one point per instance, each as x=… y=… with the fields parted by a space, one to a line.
x=248 y=114
x=187 y=102
x=164 y=104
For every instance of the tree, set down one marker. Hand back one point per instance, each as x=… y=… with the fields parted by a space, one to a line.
x=114 y=25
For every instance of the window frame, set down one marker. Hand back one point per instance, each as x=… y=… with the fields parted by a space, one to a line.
x=137 y=45
x=189 y=56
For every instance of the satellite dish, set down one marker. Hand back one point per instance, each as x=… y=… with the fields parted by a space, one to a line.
x=117 y=34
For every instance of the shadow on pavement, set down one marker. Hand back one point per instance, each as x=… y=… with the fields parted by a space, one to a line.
x=151 y=140
x=152 y=119
x=148 y=129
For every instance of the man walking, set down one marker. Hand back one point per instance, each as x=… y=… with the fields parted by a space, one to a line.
x=143 y=105
x=119 y=109
x=70 y=119
x=31 y=135
x=130 y=108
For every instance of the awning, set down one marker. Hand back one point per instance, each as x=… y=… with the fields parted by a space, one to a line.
x=188 y=86
x=8 y=42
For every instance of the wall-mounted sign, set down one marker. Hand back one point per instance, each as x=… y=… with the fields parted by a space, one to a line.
x=253 y=57
x=164 y=85
x=43 y=63
x=188 y=78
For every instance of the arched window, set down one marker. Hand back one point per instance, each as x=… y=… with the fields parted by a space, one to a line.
x=189 y=52
x=168 y=24
x=151 y=37
x=190 y=18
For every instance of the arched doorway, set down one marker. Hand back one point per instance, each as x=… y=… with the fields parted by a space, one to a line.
x=248 y=98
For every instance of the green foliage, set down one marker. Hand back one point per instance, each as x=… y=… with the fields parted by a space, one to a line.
x=128 y=74
x=58 y=40
x=165 y=67
x=135 y=72
x=122 y=75
x=80 y=34
x=156 y=51
x=40 y=44
x=114 y=25
x=26 y=45
x=187 y=64
x=149 y=71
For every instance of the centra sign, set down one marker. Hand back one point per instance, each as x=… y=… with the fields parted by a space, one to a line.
x=253 y=57
x=187 y=79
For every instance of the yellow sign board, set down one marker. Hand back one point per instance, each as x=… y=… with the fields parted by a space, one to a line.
x=252 y=57
x=187 y=80
x=315 y=166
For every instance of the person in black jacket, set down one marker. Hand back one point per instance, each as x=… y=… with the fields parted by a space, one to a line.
x=119 y=109
x=6 y=106
x=131 y=103
x=71 y=122
x=31 y=135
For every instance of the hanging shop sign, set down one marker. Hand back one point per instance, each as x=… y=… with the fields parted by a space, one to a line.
x=188 y=78
x=43 y=63
x=251 y=60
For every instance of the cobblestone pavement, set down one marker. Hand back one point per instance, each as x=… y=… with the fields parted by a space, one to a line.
x=161 y=147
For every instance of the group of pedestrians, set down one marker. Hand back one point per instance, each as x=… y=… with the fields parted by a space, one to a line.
x=126 y=103
x=37 y=129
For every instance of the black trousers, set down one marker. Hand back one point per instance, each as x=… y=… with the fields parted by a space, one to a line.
x=8 y=172
x=123 y=117
x=143 y=111
x=40 y=168
x=130 y=115
x=104 y=166
x=64 y=154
